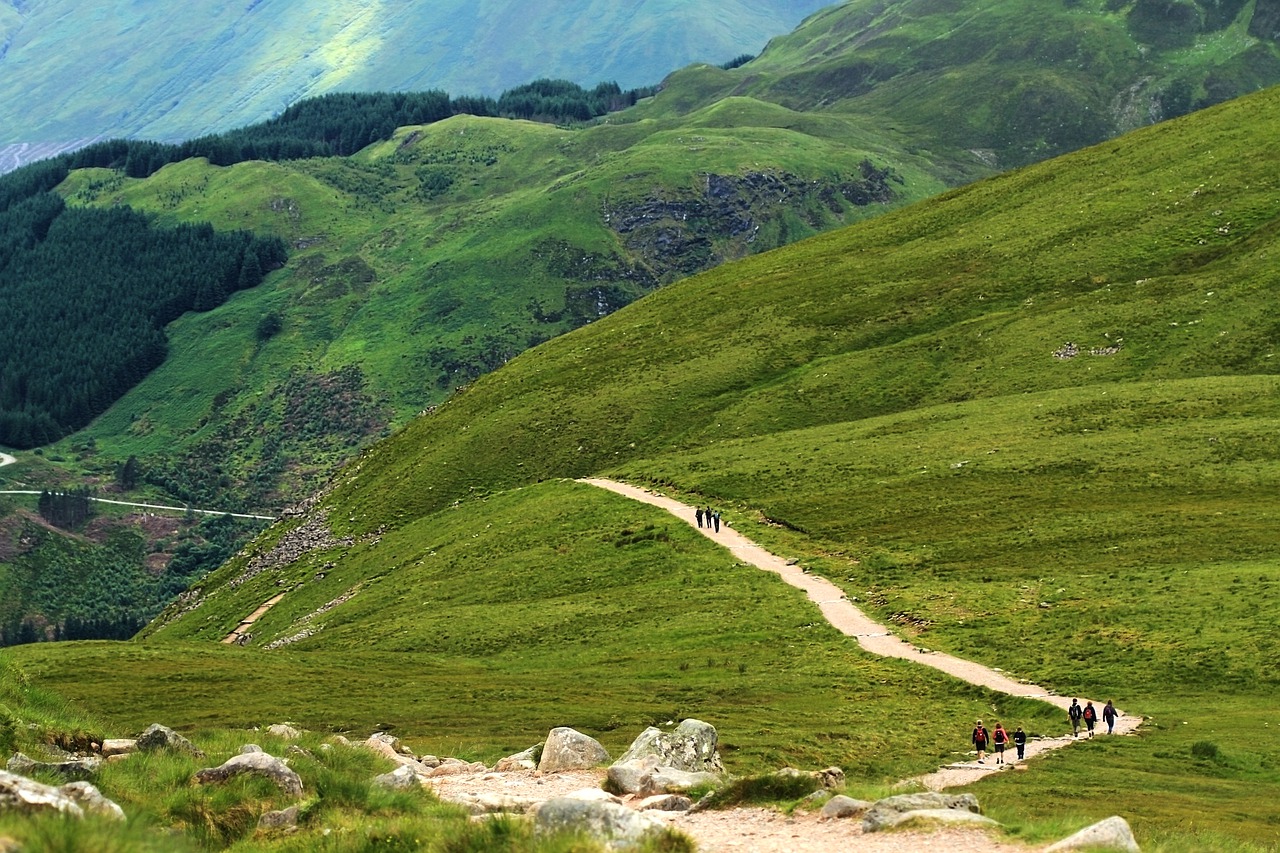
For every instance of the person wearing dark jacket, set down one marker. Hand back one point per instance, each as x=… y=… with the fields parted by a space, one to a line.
x=1090 y=717
x=1075 y=712
x=1109 y=715
x=1020 y=741
x=1000 y=738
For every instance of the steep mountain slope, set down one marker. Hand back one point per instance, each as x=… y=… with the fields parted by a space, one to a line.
x=1032 y=420
x=1010 y=81
x=216 y=66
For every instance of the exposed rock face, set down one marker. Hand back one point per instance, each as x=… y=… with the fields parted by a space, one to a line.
x=692 y=747
x=258 y=764
x=568 y=749
x=26 y=796
x=75 y=768
x=1111 y=834
x=617 y=826
x=158 y=737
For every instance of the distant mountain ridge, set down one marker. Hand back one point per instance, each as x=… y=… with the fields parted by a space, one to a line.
x=139 y=70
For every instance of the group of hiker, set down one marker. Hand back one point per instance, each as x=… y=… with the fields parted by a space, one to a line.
x=999 y=739
x=708 y=518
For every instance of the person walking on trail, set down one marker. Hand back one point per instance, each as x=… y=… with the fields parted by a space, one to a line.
x=698 y=515
x=1109 y=714
x=1000 y=738
x=1090 y=717
x=715 y=516
x=1020 y=741
x=1076 y=713
x=981 y=737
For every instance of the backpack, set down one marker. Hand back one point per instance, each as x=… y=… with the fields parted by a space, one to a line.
x=1075 y=712
x=1090 y=714
x=1001 y=736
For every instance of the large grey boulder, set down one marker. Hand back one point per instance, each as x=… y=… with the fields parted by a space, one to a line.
x=567 y=749
x=72 y=768
x=889 y=812
x=257 y=764
x=17 y=793
x=1110 y=834
x=693 y=747
x=158 y=737
x=92 y=801
x=646 y=777
x=617 y=826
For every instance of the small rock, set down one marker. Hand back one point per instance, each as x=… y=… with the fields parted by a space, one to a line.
x=841 y=806
x=158 y=737
x=92 y=801
x=278 y=820
x=258 y=764
x=567 y=749
x=284 y=730
x=401 y=779
x=664 y=803
x=526 y=760
x=75 y=768
x=112 y=747
x=250 y=748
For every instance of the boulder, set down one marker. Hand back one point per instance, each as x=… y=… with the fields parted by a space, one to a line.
x=645 y=777
x=73 y=768
x=841 y=806
x=692 y=747
x=258 y=764
x=618 y=827
x=664 y=803
x=91 y=800
x=952 y=817
x=567 y=749
x=250 y=748
x=1110 y=834
x=888 y=812
x=284 y=730
x=284 y=819
x=378 y=740
x=17 y=793
x=401 y=779
x=158 y=737
x=111 y=747
x=526 y=760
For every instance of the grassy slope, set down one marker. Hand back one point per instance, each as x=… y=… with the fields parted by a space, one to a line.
x=215 y=67
x=889 y=396
x=385 y=276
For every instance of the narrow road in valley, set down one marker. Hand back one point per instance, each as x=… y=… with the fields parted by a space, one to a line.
x=158 y=506
x=872 y=636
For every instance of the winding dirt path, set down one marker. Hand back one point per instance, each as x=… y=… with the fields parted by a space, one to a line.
x=247 y=621
x=846 y=618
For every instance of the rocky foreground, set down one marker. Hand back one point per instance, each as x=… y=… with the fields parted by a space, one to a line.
x=663 y=782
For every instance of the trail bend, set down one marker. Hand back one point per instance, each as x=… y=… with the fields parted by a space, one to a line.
x=872 y=636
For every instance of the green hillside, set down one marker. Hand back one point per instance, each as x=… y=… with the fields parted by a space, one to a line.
x=1012 y=82
x=1030 y=421
x=160 y=75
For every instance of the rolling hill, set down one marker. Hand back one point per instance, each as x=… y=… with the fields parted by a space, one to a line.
x=159 y=75
x=1029 y=421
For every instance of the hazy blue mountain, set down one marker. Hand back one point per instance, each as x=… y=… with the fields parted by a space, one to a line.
x=150 y=69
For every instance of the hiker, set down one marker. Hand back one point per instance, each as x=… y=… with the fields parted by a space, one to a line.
x=981 y=737
x=1000 y=738
x=1090 y=717
x=1020 y=741
x=698 y=515
x=1109 y=714
x=715 y=516
x=1075 y=712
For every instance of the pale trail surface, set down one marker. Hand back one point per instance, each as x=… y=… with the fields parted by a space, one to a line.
x=874 y=637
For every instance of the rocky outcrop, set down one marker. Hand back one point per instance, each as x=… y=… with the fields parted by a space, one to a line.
x=567 y=749
x=617 y=826
x=1110 y=834
x=693 y=747
x=257 y=764
x=158 y=737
